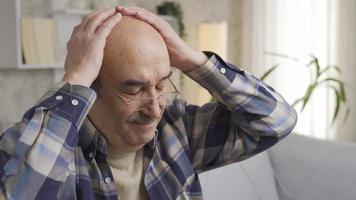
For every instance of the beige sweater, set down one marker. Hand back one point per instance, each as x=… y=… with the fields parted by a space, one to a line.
x=128 y=170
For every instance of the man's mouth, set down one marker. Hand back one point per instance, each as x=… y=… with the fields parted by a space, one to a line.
x=142 y=121
x=145 y=126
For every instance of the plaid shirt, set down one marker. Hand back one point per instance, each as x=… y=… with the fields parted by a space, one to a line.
x=56 y=153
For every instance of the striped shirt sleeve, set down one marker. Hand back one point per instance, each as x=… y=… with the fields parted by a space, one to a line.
x=36 y=154
x=248 y=118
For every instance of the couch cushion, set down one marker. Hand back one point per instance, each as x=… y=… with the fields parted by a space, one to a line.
x=251 y=179
x=311 y=169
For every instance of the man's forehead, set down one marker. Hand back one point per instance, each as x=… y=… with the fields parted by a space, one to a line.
x=139 y=82
x=133 y=75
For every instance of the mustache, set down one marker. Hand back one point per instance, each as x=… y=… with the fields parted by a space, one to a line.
x=140 y=118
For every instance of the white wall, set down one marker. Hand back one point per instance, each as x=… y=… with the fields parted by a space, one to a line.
x=344 y=48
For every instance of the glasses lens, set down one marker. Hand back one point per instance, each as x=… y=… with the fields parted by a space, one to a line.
x=164 y=99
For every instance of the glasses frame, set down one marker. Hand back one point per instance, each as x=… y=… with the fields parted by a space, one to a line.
x=128 y=102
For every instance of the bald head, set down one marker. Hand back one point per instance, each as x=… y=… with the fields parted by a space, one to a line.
x=136 y=64
x=133 y=42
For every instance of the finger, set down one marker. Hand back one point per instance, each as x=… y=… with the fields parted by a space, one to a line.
x=152 y=19
x=90 y=15
x=131 y=10
x=75 y=33
x=122 y=11
x=139 y=13
x=119 y=8
x=135 y=12
x=106 y=27
x=97 y=19
x=158 y=23
x=75 y=30
x=86 y=19
x=134 y=8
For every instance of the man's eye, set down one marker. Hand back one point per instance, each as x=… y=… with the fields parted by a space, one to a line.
x=133 y=92
x=159 y=88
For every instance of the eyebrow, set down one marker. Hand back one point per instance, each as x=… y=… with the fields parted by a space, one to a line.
x=131 y=83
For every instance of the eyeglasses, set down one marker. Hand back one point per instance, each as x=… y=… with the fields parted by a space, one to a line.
x=141 y=103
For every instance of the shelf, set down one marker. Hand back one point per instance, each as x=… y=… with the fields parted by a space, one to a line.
x=41 y=66
x=11 y=54
x=73 y=11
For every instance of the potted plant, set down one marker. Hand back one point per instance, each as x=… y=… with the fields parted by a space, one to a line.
x=175 y=10
x=320 y=78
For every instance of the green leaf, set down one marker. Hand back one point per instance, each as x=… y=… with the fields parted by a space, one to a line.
x=308 y=94
x=312 y=61
x=173 y=9
x=297 y=101
x=342 y=92
x=264 y=76
x=283 y=56
x=331 y=79
x=337 y=107
x=317 y=65
x=318 y=79
x=347 y=114
x=330 y=67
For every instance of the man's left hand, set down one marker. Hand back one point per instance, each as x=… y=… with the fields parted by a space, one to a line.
x=181 y=55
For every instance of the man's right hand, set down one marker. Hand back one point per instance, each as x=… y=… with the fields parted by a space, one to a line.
x=86 y=46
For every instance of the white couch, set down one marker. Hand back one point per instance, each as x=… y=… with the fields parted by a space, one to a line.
x=297 y=168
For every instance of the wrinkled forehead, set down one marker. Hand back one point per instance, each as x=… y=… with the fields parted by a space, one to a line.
x=145 y=69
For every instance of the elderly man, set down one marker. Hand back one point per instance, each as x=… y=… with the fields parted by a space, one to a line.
x=113 y=128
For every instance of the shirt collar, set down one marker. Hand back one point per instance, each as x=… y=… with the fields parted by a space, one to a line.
x=91 y=140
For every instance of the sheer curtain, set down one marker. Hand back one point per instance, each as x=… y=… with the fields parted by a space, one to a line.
x=298 y=28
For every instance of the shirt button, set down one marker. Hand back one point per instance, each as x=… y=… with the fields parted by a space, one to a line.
x=223 y=70
x=91 y=155
x=75 y=102
x=107 y=180
x=59 y=97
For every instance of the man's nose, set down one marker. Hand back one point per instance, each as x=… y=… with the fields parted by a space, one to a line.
x=153 y=109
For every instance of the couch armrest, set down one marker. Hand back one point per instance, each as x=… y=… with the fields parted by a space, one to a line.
x=312 y=169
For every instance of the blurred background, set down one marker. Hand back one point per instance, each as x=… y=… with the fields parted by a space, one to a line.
x=305 y=49
x=311 y=42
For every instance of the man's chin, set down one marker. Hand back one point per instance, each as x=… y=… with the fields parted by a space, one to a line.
x=145 y=128
x=146 y=137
